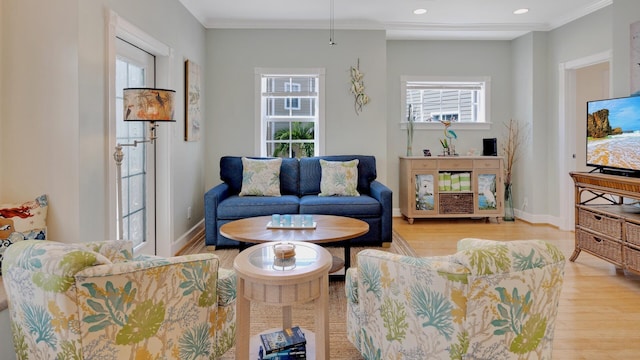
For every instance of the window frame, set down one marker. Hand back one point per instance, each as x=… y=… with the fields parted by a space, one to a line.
x=484 y=107
x=261 y=123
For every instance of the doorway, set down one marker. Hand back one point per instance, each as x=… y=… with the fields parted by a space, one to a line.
x=136 y=68
x=118 y=28
x=580 y=80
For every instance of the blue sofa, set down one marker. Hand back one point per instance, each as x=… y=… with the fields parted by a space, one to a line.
x=299 y=188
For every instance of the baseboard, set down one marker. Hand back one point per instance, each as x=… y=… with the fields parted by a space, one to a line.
x=538 y=219
x=184 y=240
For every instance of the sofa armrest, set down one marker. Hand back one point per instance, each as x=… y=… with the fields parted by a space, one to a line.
x=212 y=199
x=384 y=195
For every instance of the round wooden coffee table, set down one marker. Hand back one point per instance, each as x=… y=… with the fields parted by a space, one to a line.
x=329 y=229
x=262 y=278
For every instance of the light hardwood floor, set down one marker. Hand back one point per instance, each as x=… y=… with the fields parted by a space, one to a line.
x=599 y=311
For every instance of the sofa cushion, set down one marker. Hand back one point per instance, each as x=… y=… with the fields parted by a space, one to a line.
x=352 y=206
x=339 y=178
x=231 y=173
x=311 y=172
x=260 y=177
x=240 y=207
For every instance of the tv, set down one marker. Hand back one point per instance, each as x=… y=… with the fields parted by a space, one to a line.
x=613 y=135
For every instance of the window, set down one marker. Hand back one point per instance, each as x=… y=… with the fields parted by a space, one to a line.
x=290 y=112
x=456 y=99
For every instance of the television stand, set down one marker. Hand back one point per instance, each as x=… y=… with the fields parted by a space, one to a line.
x=606 y=226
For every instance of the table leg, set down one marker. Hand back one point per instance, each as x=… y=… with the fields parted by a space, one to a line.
x=243 y=320
x=322 y=321
x=347 y=255
x=286 y=317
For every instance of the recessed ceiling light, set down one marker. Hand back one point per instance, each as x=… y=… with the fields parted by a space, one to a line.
x=420 y=11
x=521 y=11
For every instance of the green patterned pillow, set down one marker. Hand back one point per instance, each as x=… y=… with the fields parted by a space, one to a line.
x=339 y=178
x=260 y=177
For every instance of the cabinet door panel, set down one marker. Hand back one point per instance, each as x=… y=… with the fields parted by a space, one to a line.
x=489 y=192
x=424 y=185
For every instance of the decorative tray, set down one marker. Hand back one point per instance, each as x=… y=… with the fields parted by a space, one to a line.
x=290 y=227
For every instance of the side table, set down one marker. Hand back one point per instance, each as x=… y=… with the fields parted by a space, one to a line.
x=262 y=279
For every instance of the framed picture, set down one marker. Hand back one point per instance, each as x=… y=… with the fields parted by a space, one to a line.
x=193 y=115
x=635 y=58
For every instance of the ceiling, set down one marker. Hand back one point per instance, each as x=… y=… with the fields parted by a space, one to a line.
x=445 y=19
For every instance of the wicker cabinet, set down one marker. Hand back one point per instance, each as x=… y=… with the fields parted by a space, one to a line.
x=461 y=186
x=607 y=221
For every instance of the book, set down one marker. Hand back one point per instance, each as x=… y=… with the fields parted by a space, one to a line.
x=294 y=353
x=282 y=339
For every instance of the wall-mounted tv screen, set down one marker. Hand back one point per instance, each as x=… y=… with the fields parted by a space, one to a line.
x=613 y=135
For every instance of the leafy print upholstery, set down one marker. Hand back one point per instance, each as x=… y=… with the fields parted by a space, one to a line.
x=95 y=301
x=490 y=300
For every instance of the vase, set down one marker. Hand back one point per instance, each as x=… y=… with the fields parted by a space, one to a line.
x=410 y=138
x=508 y=203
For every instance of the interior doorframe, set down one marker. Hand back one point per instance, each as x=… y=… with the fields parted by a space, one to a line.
x=566 y=123
x=118 y=27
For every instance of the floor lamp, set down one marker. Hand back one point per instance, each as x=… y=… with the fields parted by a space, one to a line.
x=141 y=104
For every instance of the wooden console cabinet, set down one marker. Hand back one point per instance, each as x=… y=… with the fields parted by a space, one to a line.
x=607 y=226
x=460 y=186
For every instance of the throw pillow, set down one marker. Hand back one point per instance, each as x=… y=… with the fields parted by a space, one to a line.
x=22 y=222
x=260 y=177
x=339 y=178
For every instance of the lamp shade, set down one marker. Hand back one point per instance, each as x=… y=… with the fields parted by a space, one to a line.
x=148 y=104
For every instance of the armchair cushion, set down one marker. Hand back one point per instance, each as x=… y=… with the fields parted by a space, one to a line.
x=69 y=301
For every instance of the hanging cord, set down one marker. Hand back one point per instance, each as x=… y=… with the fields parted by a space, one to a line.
x=331 y=25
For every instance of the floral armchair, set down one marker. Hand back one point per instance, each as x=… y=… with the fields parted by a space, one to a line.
x=95 y=301
x=490 y=300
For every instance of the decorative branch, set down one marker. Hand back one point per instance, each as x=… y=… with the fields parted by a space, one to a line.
x=511 y=147
x=357 y=88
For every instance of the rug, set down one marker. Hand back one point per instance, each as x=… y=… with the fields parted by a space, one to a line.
x=264 y=317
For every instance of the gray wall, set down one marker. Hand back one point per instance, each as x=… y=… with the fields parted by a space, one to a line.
x=54 y=117
x=54 y=127
x=445 y=58
x=233 y=55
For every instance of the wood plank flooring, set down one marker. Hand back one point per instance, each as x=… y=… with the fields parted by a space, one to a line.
x=599 y=311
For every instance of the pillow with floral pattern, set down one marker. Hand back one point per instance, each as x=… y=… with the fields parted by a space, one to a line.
x=339 y=178
x=22 y=222
x=260 y=177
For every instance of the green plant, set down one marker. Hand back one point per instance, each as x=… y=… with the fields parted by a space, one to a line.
x=297 y=131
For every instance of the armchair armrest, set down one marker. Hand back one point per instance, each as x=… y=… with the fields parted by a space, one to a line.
x=226 y=287
x=384 y=195
x=212 y=199
x=114 y=250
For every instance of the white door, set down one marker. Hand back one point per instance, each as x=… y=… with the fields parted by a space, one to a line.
x=136 y=68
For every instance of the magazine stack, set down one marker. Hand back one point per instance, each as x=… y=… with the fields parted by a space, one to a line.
x=286 y=344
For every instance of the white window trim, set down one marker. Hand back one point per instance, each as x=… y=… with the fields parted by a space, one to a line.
x=260 y=132
x=486 y=125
